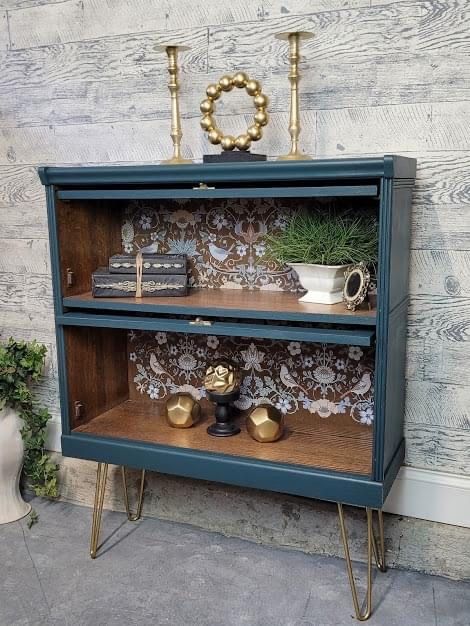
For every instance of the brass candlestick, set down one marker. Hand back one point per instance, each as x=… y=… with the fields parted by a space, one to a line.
x=294 y=78
x=173 y=85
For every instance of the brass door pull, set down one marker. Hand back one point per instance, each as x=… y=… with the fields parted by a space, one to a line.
x=200 y=322
x=203 y=186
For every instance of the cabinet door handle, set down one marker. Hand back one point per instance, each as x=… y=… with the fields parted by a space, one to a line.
x=203 y=186
x=200 y=322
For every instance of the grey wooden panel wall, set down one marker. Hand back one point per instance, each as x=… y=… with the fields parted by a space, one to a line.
x=81 y=83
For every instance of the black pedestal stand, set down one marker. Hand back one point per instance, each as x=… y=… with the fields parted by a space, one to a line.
x=224 y=425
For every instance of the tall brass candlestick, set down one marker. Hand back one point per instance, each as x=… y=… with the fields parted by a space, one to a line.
x=173 y=85
x=294 y=78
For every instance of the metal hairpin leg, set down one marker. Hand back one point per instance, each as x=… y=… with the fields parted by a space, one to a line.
x=101 y=478
x=379 y=554
x=372 y=549
x=133 y=517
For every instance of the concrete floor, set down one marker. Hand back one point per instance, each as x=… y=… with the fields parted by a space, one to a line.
x=153 y=572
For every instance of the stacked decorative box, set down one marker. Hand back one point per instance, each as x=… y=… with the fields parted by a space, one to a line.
x=162 y=275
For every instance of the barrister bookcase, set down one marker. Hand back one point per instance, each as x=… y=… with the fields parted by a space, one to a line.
x=339 y=445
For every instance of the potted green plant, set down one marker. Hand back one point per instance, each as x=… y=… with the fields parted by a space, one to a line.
x=321 y=246
x=22 y=429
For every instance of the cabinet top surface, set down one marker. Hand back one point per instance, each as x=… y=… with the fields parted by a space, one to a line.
x=387 y=166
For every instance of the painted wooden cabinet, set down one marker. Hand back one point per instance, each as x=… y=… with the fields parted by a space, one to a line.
x=120 y=358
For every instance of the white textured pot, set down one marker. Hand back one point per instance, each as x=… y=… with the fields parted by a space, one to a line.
x=12 y=505
x=324 y=283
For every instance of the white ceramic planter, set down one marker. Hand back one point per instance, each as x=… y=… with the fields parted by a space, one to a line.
x=12 y=505
x=324 y=283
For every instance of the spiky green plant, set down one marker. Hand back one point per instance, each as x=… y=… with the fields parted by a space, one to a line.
x=326 y=238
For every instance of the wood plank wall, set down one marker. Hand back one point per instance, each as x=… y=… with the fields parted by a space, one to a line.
x=81 y=83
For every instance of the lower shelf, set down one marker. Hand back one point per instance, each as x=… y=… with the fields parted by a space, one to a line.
x=336 y=443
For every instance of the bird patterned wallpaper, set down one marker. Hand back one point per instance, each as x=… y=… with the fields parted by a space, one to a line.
x=323 y=380
x=223 y=239
x=225 y=244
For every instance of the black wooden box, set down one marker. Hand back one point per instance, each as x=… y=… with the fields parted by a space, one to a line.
x=152 y=264
x=109 y=285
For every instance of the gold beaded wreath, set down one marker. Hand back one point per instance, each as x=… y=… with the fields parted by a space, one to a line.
x=253 y=132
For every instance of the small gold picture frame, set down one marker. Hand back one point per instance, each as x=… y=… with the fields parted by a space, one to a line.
x=356 y=285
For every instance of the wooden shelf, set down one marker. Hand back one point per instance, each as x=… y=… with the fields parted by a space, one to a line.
x=336 y=443
x=230 y=303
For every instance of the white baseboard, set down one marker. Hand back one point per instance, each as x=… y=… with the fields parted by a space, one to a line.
x=430 y=495
x=53 y=436
x=424 y=494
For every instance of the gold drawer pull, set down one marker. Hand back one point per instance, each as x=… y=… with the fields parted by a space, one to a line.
x=200 y=322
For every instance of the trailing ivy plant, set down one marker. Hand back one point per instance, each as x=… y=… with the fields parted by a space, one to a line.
x=21 y=365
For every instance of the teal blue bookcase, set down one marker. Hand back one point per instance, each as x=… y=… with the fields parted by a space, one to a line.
x=84 y=214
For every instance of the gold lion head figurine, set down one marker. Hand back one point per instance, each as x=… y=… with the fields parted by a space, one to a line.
x=221 y=378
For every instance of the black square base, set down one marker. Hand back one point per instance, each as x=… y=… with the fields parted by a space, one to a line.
x=233 y=156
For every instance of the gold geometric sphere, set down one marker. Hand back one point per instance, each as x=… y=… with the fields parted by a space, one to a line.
x=265 y=423
x=222 y=378
x=182 y=410
x=207 y=106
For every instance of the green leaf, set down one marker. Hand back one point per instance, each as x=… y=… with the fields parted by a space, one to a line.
x=33 y=518
x=22 y=363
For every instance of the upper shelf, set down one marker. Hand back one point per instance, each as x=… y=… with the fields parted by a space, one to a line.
x=269 y=171
x=230 y=303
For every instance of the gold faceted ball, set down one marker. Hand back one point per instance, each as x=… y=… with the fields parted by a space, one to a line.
x=254 y=132
x=261 y=118
x=207 y=122
x=215 y=136
x=243 y=142
x=213 y=91
x=225 y=83
x=228 y=142
x=253 y=87
x=240 y=79
x=221 y=378
x=265 y=423
x=182 y=410
x=206 y=106
x=261 y=101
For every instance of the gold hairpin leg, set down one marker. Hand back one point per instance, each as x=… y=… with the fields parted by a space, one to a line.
x=101 y=476
x=133 y=517
x=372 y=549
x=379 y=555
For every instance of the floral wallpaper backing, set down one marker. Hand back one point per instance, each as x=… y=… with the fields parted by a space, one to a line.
x=322 y=379
x=224 y=239
x=225 y=244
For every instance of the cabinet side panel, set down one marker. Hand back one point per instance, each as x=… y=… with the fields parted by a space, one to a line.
x=400 y=234
x=89 y=233
x=400 y=243
x=395 y=382
x=96 y=361
x=54 y=248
